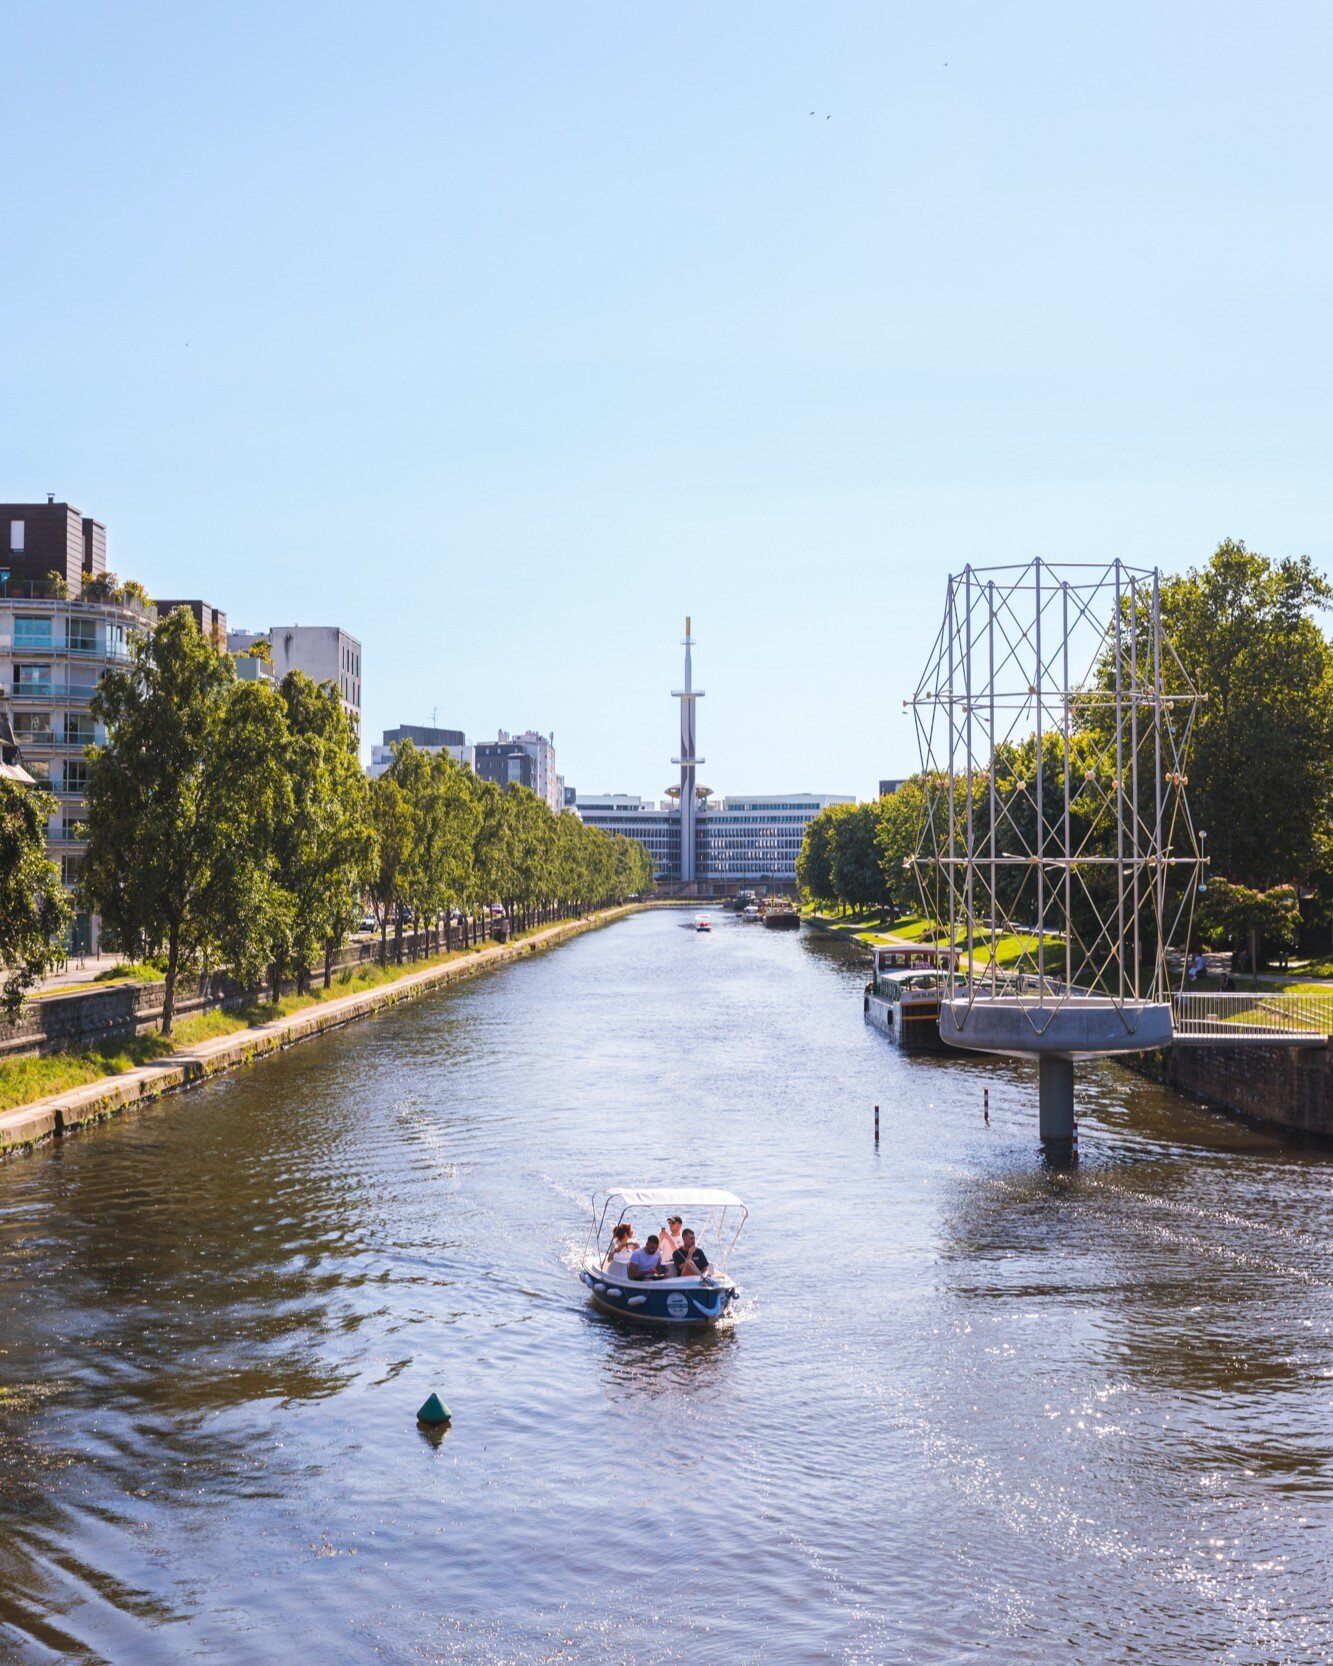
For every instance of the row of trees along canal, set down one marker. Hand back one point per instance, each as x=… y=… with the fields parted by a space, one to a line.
x=1260 y=768
x=229 y=823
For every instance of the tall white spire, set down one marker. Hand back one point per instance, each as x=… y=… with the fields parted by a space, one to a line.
x=687 y=760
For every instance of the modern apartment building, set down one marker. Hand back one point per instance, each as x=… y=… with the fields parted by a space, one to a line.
x=59 y=631
x=325 y=653
x=425 y=739
x=39 y=540
x=526 y=760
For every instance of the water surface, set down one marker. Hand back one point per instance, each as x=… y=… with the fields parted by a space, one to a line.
x=968 y=1406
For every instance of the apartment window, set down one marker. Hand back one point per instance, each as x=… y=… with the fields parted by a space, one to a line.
x=38 y=768
x=16 y=532
x=33 y=726
x=81 y=637
x=32 y=679
x=71 y=867
x=76 y=775
x=79 y=729
x=69 y=827
x=32 y=632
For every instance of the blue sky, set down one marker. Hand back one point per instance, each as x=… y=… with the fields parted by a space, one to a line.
x=505 y=335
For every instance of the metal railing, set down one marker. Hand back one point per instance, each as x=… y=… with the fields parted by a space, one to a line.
x=1258 y=1017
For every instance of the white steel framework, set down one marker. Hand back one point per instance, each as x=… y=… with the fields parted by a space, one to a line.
x=1054 y=719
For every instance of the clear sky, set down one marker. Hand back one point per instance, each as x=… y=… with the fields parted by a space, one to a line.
x=504 y=335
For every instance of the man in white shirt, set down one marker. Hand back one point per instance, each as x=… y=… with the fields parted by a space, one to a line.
x=646 y=1262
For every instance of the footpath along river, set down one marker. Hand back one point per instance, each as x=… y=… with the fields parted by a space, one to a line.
x=969 y=1406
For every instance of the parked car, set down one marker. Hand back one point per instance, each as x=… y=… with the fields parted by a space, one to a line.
x=369 y=923
x=497 y=911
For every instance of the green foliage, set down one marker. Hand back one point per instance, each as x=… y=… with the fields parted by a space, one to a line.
x=814 y=864
x=840 y=859
x=858 y=874
x=229 y=821
x=323 y=842
x=1261 y=765
x=57 y=584
x=34 y=909
x=1241 y=915
x=182 y=801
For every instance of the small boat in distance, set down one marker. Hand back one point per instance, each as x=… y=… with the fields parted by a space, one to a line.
x=715 y=1217
x=751 y=913
x=703 y=923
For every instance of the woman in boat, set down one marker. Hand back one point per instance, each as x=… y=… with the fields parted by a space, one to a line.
x=622 y=1242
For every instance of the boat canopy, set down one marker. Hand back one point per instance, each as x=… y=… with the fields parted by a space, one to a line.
x=688 y=1197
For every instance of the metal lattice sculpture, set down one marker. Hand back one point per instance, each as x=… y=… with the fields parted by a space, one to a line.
x=1053 y=720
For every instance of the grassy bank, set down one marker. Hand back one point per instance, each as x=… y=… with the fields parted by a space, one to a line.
x=23 y=1080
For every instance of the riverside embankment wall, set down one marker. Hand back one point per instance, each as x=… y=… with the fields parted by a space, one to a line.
x=1291 y=1087
x=100 y=1012
x=29 y=1125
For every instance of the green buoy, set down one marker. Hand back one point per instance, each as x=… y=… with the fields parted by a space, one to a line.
x=434 y=1412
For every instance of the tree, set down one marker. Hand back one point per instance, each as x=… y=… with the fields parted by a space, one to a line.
x=391 y=827
x=323 y=841
x=445 y=817
x=858 y=876
x=1240 y=914
x=1261 y=765
x=181 y=803
x=814 y=864
x=898 y=820
x=34 y=909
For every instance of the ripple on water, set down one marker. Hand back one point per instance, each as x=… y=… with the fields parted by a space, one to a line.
x=965 y=1405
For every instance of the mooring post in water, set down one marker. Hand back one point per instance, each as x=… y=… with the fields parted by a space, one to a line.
x=1055 y=1092
x=985 y=1106
x=876 y=1124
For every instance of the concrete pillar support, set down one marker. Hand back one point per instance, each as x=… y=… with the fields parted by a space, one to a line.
x=1056 y=1096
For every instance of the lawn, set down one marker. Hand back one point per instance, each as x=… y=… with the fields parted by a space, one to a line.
x=23 y=1080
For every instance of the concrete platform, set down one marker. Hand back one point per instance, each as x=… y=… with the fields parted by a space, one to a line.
x=1085 y=1026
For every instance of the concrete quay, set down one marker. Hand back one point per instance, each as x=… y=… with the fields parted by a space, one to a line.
x=27 y=1126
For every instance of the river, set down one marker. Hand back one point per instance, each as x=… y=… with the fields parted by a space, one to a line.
x=968 y=1405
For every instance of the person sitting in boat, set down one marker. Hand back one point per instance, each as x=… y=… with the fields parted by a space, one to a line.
x=669 y=1239
x=622 y=1242
x=689 y=1260
x=647 y=1262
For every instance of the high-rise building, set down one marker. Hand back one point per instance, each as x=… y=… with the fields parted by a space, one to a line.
x=526 y=760
x=425 y=739
x=62 y=624
x=325 y=653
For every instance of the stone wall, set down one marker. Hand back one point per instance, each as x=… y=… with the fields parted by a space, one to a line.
x=1289 y=1086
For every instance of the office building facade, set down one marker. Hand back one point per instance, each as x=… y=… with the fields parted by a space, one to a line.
x=752 y=840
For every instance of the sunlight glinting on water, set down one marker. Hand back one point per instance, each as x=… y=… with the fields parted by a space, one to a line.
x=966 y=1404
